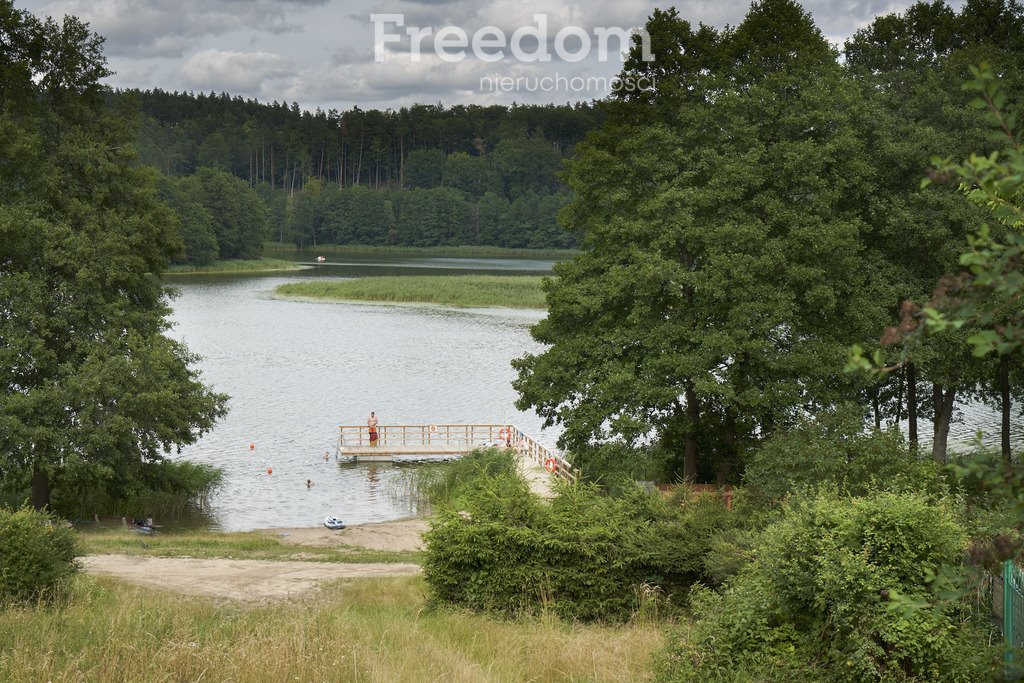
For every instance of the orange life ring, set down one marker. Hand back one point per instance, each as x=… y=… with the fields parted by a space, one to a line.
x=270 y=470
x=504 y=434
x=432 y=429
x=551 y=465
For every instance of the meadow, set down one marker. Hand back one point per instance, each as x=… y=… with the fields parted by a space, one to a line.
x=358 y=630
x=468 y=291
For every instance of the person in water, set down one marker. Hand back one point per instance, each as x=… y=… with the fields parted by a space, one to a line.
x=327 y=456
x=309 y=483
x=372 y=422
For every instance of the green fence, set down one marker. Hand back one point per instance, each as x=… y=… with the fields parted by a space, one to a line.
x=1006 y=596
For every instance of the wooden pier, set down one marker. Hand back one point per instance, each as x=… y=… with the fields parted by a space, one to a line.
x=445 y=440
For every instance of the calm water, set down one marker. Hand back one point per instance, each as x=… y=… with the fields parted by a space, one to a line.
x=296 y=370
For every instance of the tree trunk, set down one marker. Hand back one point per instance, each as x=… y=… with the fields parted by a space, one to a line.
x=912 y=405
x=1004 y=404
x=40 y=489
x=943 y=399
x=690 y=448
x=878 y=413
x=899 y=398
x=728 y=448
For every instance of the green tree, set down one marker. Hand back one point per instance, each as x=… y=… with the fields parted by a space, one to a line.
x=91 y=390
x=722 y=262
x=240 y=218
x=423 y=169
x=195 y=224
x=474 y=175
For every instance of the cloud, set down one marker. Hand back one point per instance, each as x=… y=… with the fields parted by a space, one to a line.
x=236 y=72
x=147 y=28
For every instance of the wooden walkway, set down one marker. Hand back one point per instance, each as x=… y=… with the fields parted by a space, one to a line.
x=446 y=440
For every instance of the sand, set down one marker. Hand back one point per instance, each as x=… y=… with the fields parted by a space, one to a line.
x=404 y=535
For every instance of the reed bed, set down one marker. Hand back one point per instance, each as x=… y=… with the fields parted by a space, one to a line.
x=261 y=265
x=466 y=291
x=361 y=630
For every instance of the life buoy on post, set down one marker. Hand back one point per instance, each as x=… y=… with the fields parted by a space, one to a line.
x=551 y=465
x=433 y=429
x=504 y=434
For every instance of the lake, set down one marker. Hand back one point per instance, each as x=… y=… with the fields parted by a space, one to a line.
x=296 y=370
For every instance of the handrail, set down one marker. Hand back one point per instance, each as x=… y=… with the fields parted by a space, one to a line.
x=470 y=435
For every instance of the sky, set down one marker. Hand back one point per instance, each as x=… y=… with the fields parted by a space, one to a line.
x=321 y=53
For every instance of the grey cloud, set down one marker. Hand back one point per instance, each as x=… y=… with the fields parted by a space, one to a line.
x=236 y=72
x=168 y=27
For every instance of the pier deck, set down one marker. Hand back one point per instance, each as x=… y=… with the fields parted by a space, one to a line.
x=445 y=440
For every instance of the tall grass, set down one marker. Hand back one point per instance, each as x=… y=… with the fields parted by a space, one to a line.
x=363 y=630
x=465 y=251
x=261 y=265
x=469 y=291
x=168 y=488
x=430 y=485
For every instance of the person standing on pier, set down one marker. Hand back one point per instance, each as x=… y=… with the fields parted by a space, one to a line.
x=371 y=422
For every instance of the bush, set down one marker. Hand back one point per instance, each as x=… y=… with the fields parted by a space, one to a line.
x=582 y=555
x=616 y=466
x=836 y=451
x=162 y=488
x=819 y=600
x=37 y=556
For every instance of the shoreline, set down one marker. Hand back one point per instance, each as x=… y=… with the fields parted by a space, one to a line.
x=272 y=294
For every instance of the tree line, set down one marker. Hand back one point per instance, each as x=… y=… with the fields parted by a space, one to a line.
x=487 y=175
x=769 y=212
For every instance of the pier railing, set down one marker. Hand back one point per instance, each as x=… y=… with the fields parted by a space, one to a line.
x=448 y=437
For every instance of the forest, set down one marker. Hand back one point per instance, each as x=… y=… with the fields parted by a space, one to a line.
x=420 y=176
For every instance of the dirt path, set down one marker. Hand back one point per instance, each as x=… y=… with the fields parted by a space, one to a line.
x=246 y=580
x=536 y=476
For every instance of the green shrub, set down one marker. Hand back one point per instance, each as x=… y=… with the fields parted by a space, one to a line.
x=817 y=602
x=834 y=450
x=162 y=488
x=582 y=555
x=37 y=556
x=615 y=466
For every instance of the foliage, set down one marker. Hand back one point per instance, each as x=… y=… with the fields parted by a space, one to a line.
x=834 y=451
x=162 y=489
x=509 y=291
x=813 y=605
x=496 y=547
x=615 y=466
x=723 y=269
x=90 y=385
x=37 y=556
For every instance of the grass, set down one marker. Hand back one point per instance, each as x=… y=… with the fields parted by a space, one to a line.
x=360 y=630
x=233 y=546
x=467 y=291
x=260 y=265
x=466 y=251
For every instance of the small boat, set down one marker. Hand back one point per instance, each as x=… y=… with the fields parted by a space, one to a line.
x=334 y=523
x=320 y=259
